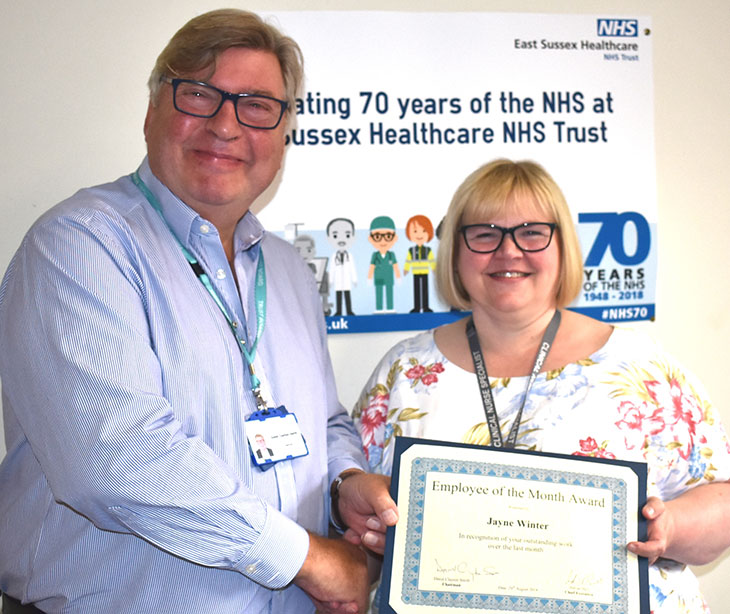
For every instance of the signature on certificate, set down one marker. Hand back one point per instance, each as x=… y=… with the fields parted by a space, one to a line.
x=464 y=570
x=584 y=581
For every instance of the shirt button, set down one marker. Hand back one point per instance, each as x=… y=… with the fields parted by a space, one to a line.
x=220 y=274
x=251 y=568
x=204 y=228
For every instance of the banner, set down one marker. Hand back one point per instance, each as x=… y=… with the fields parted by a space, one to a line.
x=399 y=108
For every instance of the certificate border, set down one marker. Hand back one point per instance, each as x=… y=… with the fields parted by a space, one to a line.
x=505 y=603
x=412 y=595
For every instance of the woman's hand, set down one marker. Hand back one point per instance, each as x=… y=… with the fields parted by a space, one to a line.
x=659 y=532
x=367 y=509
x=694 y=528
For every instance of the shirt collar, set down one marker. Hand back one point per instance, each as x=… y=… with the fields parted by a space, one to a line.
x=249 y=232
x=186 y=223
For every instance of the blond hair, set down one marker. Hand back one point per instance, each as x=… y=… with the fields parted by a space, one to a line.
x=485 y=194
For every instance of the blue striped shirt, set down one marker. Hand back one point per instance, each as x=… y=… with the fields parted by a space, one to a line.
x=128 y=484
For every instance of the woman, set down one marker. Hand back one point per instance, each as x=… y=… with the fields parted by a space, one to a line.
x=510 y=254
x=419 y=260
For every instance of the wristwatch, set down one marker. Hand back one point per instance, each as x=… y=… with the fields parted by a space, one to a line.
x=335 y=498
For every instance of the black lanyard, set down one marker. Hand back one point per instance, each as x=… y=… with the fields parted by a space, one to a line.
x=480 y=368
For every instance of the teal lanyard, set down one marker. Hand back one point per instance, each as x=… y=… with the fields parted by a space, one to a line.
x=259 y=295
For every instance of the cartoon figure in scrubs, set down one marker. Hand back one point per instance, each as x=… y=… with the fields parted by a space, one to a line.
x=383 y=264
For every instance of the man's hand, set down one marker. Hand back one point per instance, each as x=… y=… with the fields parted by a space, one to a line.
x=367 y=509
x=335 y=576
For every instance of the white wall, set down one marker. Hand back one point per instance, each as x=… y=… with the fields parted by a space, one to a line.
x=73 y=79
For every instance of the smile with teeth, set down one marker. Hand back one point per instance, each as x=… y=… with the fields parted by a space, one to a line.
x=509 y=274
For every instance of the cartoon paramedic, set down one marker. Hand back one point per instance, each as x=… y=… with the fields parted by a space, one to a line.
x=420 y=260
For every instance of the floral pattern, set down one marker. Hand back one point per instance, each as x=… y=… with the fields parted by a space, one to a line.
x=643 y=408
x=589 y=447
x=424 y=374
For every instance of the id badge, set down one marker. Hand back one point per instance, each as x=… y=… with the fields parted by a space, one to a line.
x=274 y=435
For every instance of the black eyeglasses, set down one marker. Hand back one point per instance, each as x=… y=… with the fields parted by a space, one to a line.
x=204 y=100
x=529 y=237
x=378 y=236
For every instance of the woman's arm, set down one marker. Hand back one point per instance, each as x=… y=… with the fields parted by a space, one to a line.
x=694 y=528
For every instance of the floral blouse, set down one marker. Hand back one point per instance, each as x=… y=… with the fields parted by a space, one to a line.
x=629 y=400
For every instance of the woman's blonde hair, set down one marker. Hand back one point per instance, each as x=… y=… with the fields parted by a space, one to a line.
x=484 y=195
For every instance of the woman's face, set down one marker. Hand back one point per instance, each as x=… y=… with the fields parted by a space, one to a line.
x=417 y=234
x=510 y=280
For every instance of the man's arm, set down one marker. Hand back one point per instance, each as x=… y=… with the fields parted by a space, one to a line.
x=396 y=270
x=88 y=389
x=335 y=576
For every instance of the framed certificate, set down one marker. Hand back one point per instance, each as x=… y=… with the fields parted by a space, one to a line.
x=511 y=531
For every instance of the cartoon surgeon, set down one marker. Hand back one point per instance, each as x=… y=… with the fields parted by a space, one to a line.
x=383 y=265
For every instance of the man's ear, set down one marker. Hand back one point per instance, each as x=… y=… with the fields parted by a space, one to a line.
x=151 y=108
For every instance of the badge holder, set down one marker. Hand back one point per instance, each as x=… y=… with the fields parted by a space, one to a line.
x=274 y=435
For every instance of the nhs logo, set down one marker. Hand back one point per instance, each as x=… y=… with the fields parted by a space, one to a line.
x=618 y=27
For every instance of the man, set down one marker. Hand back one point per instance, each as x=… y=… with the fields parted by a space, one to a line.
x=146 y=326
x=383 y=265
x=263 y=451
x=342 y=274
x=305 y=245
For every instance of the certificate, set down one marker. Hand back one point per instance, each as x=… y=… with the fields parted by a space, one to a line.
x=498 y=531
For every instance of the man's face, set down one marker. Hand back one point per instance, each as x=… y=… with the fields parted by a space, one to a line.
x=341 y=234
x=382 y=239
x=218 y=163
x=305 y=247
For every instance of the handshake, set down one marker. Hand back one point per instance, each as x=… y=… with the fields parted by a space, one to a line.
x=337 y=573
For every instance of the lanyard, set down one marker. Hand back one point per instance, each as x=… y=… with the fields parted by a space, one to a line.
x=259 y=295
x=486 y=391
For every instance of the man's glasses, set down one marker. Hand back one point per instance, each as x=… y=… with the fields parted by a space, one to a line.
x=529 y=237
x=203 y=100
x=379 y=236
